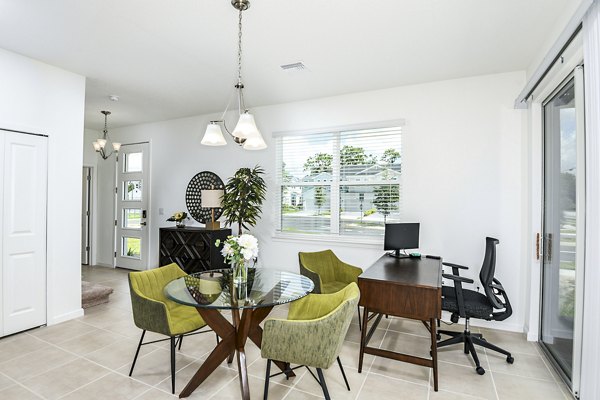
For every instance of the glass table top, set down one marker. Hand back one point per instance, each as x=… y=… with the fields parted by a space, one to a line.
x=216 y=289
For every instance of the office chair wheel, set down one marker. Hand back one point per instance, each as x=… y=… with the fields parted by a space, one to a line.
x=480 y=370
x=510 y=359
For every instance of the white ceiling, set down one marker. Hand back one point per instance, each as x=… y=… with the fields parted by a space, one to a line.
x=170 y=59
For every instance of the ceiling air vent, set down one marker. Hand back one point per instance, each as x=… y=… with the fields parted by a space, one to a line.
x=297 y=66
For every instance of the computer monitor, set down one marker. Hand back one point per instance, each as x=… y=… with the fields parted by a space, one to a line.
x=401 y=237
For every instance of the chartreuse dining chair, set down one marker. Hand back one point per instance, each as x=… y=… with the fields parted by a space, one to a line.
x=153 y=312
x=329 y=273
x=312 y=335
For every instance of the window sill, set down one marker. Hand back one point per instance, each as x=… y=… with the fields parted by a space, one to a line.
x=373 y=243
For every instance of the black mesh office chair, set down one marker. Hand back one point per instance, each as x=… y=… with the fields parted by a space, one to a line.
x=464 y=303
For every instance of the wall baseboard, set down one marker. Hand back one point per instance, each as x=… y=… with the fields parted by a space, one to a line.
x=103 y=265
x=65 y=317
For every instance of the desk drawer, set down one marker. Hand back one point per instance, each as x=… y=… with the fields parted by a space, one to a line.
x=399 y=300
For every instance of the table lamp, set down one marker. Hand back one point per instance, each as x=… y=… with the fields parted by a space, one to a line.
x=212 y=199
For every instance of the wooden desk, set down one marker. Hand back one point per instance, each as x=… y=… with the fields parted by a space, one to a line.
x=409 y=288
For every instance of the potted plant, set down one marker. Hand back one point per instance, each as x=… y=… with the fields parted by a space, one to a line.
x=243 y=198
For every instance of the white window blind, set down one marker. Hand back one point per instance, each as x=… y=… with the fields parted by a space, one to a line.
x=344 y=182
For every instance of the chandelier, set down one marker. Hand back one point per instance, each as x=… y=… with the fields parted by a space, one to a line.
x=245 y=134
x=100 y=144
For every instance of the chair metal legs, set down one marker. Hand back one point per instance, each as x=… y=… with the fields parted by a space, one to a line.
x=173 y=345
x=323 y=384
x=343 y=373
x=469 y=341
x=359 y=320
x=266 y=393
x=320 y=379
x=137 y=352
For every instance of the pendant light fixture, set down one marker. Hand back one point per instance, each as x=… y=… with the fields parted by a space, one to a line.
x=246 y=134
x=100 y=144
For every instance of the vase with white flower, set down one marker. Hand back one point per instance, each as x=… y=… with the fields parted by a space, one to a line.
x=240 y=252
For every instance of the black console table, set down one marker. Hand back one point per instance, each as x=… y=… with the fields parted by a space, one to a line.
x=193 y=249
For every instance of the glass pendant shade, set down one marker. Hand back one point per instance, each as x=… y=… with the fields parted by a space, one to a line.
x=213 y=136
x=117 y=146
x=246 y=127
x=96 y=146
x=255 y=142
x=101 y=143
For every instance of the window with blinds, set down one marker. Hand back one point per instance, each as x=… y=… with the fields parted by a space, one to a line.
x=344 y=183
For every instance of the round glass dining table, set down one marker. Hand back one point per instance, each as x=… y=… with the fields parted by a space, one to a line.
x=212 y=291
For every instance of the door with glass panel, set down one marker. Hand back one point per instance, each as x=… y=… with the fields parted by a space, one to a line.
x=133 y=177
x=563 y=227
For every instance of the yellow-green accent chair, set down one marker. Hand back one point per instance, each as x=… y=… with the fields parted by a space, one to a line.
x=153 y=312
x=329 y=273
x=312 y=335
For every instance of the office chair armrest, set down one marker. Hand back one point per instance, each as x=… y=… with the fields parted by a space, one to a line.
x=457 y=278
x=454 y=265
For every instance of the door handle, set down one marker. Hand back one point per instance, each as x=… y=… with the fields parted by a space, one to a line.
x=549 y=243
x=143 y=223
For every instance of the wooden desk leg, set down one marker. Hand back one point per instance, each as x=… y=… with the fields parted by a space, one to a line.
x=434 y=353
x=363 y=333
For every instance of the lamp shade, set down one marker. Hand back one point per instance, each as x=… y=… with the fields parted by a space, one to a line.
x=96 y=146
x=255 y=142
x=212 y=198
x=213 y=136
x=116 y=146
x=246 y=127
x=101 y=142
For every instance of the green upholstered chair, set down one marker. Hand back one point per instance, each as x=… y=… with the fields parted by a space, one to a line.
x=153 y=312
x=328 y=272
x=312 y=335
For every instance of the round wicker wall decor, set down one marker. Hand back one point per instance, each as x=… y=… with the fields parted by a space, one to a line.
x=193 y=195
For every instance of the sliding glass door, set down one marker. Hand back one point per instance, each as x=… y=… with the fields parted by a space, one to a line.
x=564 y=194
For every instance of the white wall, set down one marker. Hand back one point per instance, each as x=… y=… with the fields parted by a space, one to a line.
x=39 y=98
x=462 y=167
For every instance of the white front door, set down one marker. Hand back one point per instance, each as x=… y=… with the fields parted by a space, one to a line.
x=133 y=188
x=23 y=178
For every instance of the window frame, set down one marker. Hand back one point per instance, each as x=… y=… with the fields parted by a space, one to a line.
x=333 y=236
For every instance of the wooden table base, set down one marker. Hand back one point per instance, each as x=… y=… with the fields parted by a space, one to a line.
x=233 y=341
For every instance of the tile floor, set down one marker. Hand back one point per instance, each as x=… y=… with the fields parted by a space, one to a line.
x=90 y=357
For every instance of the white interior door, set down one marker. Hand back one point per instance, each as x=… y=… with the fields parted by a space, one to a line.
x=133 y=187
x=24 y=188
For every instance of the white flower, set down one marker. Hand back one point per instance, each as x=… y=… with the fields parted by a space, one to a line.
x=227 y=250
x=248 y=254
x=247 y=241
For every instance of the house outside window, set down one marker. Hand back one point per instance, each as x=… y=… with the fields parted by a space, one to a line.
x=339 y=182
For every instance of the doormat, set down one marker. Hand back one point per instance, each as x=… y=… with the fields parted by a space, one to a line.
x=93 y=294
